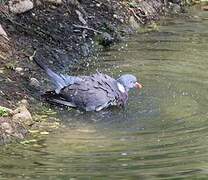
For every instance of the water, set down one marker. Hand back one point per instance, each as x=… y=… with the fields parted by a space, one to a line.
x=162 y=133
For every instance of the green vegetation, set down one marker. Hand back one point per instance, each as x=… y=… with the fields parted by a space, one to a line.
x=3 y=1
x=3 y=112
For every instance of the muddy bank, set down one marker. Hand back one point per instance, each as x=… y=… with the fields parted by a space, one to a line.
x=65 y=35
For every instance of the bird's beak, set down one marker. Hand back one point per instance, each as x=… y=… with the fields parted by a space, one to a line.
x=138 y=85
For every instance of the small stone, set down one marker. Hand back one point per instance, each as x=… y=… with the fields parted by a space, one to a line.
x=37 y=3
x=10 y=130
x=6 y=127
x=20 y=6
x=3 y=33
x=205 y=7
x=21 y=114
x=106 y=39
x=54 y=1
x=34 y=82
x=115 y=16
x=174 y=8
x=98 y=5
x=18 y=69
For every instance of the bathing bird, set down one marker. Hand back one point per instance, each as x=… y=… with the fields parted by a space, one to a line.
x=89 y=93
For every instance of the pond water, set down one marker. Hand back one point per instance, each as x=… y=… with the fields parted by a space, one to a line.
x=162 y=133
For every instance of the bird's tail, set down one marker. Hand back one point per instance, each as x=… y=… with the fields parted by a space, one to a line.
x=58 y=80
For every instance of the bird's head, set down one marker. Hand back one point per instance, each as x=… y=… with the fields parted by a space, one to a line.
x=129 y=81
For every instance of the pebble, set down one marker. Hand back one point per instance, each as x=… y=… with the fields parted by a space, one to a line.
x=55 y=1
x=20 y=6
x=34 y=82
x=19 y=70
x=3 y=33
x=115 y=16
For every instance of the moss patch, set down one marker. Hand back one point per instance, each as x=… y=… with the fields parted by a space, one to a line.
x=3 y=112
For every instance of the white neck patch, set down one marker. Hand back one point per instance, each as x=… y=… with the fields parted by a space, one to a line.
x=121 y=87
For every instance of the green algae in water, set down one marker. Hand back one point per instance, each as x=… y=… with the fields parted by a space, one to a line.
x=28 y=141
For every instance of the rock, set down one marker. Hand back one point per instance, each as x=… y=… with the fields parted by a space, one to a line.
x=37 y=3
x=174 y=8
x=35 y=83
x=10 y=131
x=106 y=39
x=54 y=1
x=5 y=46
x=20 y=6
x=204 y=7
x=6 y=127
x=3 y=33
x=22 y=115
x=18 y=69
x=133 y=23
x=14 y=125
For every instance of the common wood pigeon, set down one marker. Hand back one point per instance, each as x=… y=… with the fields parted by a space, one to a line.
x=89 y=93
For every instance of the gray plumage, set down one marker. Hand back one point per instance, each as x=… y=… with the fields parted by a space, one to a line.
x=89 y=93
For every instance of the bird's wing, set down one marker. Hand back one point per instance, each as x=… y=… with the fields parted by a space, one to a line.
x=93 y=92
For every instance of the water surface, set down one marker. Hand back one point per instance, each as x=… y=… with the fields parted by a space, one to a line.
x=162 y=133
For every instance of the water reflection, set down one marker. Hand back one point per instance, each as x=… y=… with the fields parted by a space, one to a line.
x=162 y=133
